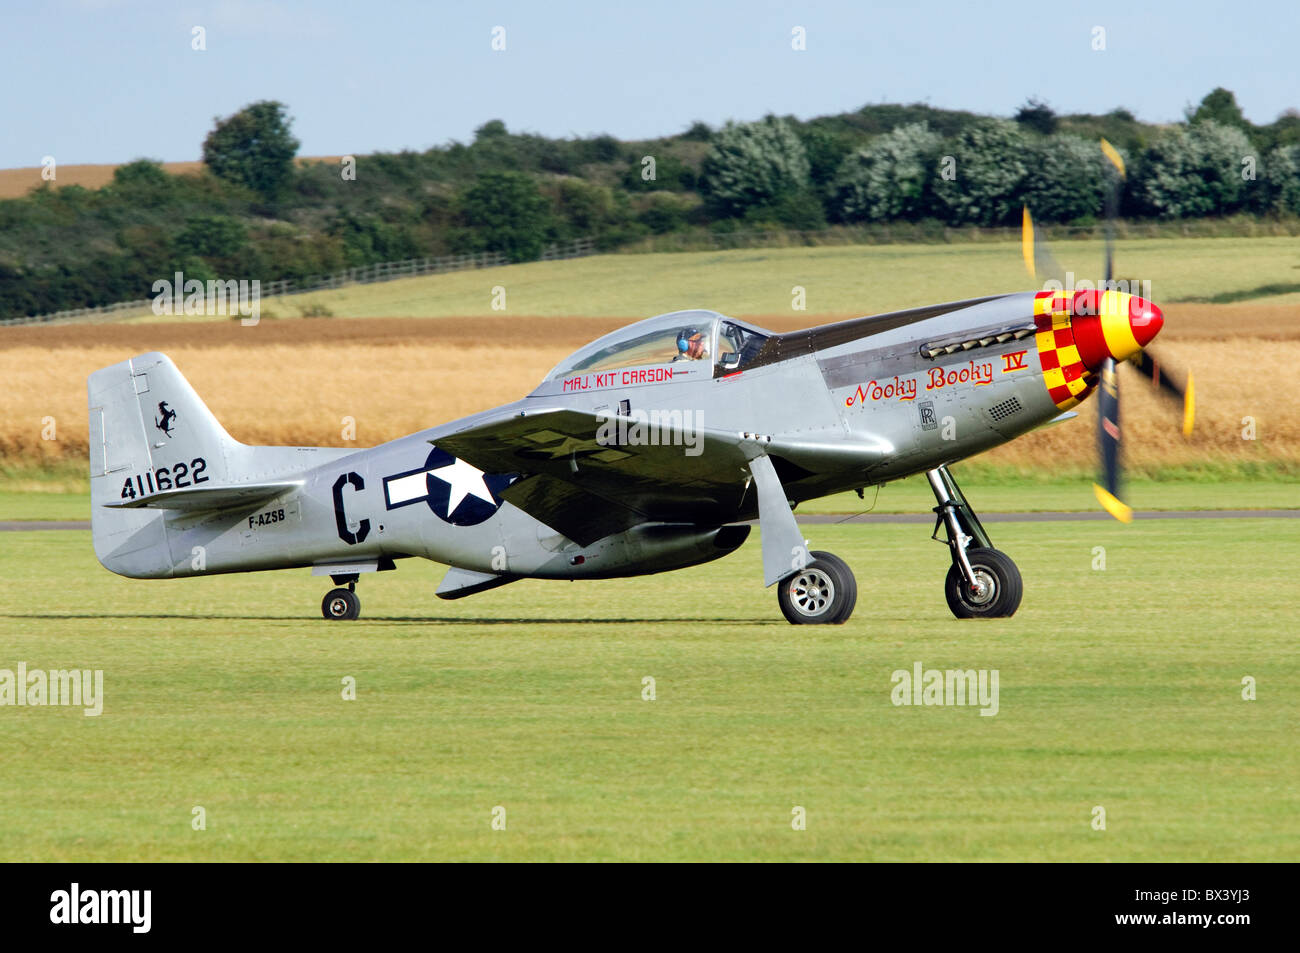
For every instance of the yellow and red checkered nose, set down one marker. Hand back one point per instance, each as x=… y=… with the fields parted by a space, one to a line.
x=1076 y=332
x=1112 y=324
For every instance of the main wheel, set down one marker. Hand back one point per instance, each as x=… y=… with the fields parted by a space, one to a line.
x=824 y=592
x=340 y=604
x=999 y=586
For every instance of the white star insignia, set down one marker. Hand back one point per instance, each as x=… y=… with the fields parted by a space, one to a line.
x=464 y=480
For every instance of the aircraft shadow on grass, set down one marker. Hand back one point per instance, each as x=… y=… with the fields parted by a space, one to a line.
x=382 y=620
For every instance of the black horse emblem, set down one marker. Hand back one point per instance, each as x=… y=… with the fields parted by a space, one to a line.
x=164 y=423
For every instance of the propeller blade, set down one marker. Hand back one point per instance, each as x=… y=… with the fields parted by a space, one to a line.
x=1108 y=490
x=1111 y=153
x=1112 y=206
x=1149 y=366
x=1039 y=260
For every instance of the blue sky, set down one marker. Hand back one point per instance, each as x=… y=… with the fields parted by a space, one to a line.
x=113 y=80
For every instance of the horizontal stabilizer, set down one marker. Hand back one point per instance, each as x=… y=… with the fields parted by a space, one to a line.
x=196 y=498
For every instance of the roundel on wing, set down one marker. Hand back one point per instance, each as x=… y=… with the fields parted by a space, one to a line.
x=461 y=494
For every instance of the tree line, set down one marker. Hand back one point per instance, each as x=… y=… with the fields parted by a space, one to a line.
x=253 y=212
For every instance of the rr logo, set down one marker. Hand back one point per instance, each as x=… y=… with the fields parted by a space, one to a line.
x=1014 y=361
x=928 y=421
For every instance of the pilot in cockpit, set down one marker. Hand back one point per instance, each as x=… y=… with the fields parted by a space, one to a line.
x=691 y=345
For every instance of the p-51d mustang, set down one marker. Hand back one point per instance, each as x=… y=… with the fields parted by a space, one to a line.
x=622 y=461
x=637 y=454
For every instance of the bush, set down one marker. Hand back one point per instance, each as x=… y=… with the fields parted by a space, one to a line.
x=253 y=148
x=801 y=210
x=600 y=149
x=144 y=183
x=505 y=212
x=891 y=178
x=671 y=174
x=367 y=239
x=1220 y=106
x=753 y=164
x=826 y=151
x=698 y=131
x=664 y=213
x=1189 y=173
x=989 y=174
x=212 y=236
x=1067 y=179
x=586 y=207
x=1037 y=116
x=1278 y=187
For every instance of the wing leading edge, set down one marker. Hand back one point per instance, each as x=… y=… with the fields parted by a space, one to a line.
x=588 y=475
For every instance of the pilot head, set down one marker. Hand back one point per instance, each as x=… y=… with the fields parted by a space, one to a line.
x=690 y=344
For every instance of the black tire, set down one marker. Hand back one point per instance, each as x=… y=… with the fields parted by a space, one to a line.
x=998 y=572
x=340 y=604
x=824 y=592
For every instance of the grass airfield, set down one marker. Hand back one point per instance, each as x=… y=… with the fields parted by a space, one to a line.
x=991 y=490
x=1119 y=688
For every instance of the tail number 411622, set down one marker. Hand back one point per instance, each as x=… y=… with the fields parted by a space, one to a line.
x=177 y=476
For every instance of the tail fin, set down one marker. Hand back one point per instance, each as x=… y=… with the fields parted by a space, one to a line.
x=148 y=416
x=149 y=433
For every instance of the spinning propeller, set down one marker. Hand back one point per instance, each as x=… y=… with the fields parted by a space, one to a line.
x=1109 y=327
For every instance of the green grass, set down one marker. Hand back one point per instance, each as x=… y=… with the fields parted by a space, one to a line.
x=1275 y=289
x=1119 y=688
x=44 y=506
x=1002 y=492
x=857 y=279
x=991 y=489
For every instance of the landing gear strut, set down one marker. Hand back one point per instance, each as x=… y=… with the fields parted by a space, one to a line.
x=342 y=603
x=982 y=581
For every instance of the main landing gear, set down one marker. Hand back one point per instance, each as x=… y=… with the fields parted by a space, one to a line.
x=822 y=592
x=982 y=583
x=342 y=603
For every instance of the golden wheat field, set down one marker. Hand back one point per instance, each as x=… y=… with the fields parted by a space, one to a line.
x=15 y=183
x=294 y=381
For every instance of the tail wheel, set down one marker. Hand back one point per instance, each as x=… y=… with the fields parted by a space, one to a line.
x=823 y=592
x=340 y=604
x=998 y=586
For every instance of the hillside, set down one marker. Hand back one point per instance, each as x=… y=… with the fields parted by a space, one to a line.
x=254 y=212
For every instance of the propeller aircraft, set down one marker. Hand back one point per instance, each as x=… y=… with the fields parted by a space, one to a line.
x=646 y=451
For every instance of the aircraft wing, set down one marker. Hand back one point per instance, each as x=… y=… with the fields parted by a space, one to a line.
x=580 y=515
x=587 y=482
x=588 y=475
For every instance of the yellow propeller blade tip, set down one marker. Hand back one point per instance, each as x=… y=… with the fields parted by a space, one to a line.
x=1113 y=155
x=1113 y=504
x=1189 y=407
x=1027 y=241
